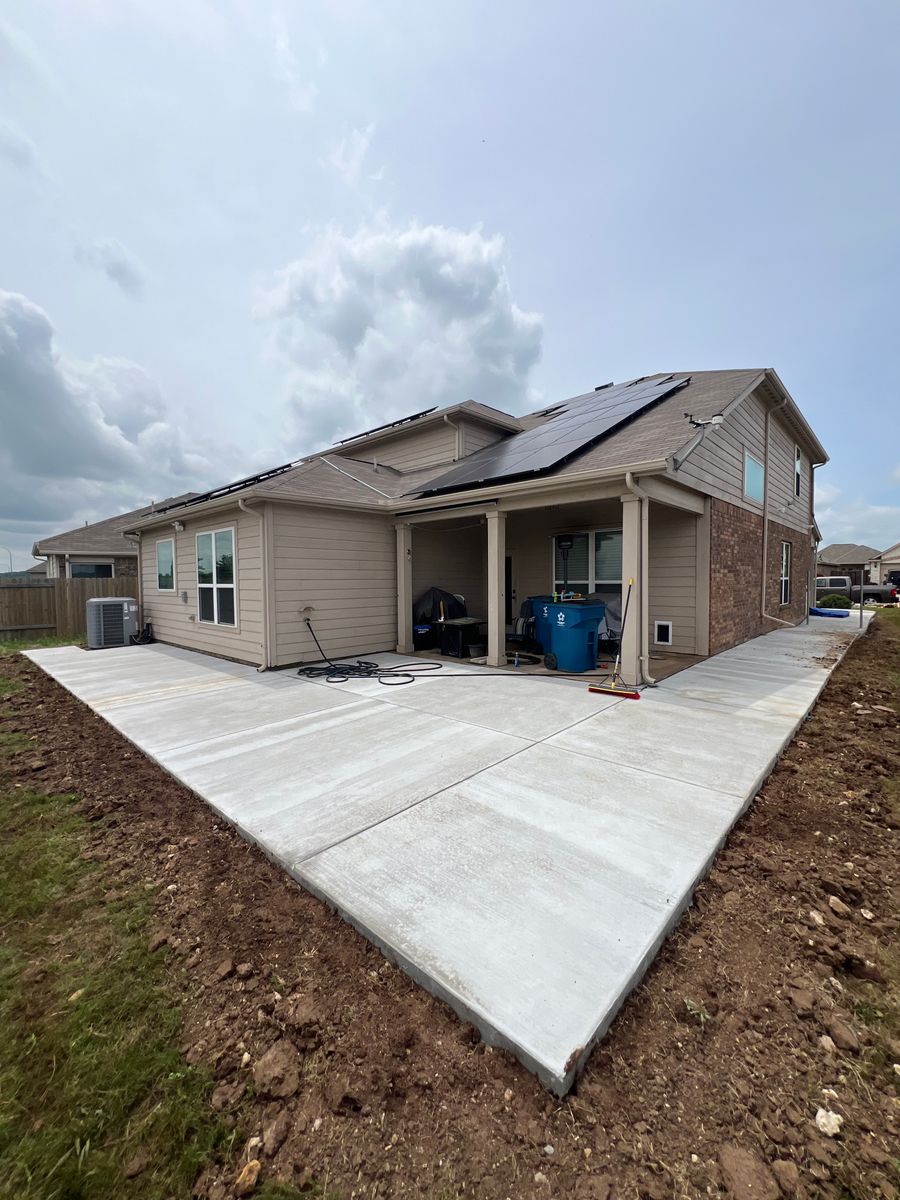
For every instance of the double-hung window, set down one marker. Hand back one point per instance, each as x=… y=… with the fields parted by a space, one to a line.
x=594 y=562
x=215 y=577
x=754 y=478
x=785 y=581
x=165 y=565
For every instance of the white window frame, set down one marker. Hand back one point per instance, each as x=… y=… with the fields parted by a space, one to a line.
x=798 y=470
x=90 y=562
x=762 y=467
x=214 y=585
x=594 y=584
x=174 y=587
x=784 y=580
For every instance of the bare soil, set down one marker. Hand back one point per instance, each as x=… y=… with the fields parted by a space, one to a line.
x=777 y=996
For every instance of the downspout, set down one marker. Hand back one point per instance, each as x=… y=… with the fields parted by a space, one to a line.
x=264 y=558
x=140 y=574
x=458 y=431
x=765 y=539
x=644 y=500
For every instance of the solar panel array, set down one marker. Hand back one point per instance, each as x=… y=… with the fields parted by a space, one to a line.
x=580 y=423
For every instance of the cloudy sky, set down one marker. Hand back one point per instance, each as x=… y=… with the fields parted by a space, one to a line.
x=232 y=231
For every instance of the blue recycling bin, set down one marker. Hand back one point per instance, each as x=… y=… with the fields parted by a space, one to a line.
x=540 y=608
x=571 y=630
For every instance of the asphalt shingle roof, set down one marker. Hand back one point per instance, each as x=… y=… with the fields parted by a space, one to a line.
x=104 y=537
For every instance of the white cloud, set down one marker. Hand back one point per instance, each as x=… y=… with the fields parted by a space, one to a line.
x=348 y=156
x=826 y=493
x=116 y=263
x=83 y=439
x=301 y=92
x=381 y=323
x=17 y=148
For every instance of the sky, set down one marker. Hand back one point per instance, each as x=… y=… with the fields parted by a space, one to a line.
x=232 y=232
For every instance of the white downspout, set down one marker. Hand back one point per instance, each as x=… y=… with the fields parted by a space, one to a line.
x=458 y=431
x=264 y=581
x=765 y=540
x=643 y=643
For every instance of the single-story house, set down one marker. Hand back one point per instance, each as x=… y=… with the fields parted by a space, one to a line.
x=39 y=570
x=847 y=558
x=888 y=561
x=97 y=551
x=696 y=486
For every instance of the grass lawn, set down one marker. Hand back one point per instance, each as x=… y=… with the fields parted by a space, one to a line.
x=93 y=1087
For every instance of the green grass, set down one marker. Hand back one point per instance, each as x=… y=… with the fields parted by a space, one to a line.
x=90 y=1072
x=15 y=645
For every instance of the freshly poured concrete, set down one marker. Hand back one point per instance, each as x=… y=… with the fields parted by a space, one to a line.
x=520 y=846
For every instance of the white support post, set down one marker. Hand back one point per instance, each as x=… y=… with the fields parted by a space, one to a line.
x=631 y=569
x=404 y=589
x=496 y=590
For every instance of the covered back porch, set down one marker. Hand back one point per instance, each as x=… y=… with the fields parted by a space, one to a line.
x=499 y=553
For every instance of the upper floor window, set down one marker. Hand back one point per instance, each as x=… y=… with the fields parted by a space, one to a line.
x=798 y=471
x=165 y=565
x=754 y=478
x=215 y=577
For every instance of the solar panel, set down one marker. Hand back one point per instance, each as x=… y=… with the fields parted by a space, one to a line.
x=579 y=423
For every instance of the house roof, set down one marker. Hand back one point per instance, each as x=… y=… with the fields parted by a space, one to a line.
x=891 y=551
x=104 y=537
x=341 y=475
x=847 y=553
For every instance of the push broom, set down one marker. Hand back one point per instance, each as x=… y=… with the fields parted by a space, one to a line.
x=617 y=685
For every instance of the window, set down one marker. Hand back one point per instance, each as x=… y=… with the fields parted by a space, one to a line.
x=785 y=583
x=798 y=471
x=90 y=570
x=754 y=478
x=595 y=562
x=215 y=577
x=165 y=565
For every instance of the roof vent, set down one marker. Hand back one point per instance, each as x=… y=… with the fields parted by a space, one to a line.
x=602 y=386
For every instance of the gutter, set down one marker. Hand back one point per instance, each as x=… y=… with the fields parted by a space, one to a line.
x=644 y=640
x=264 y=558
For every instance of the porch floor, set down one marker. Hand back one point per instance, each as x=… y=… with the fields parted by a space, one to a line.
x=661 y=666
x=517 y=845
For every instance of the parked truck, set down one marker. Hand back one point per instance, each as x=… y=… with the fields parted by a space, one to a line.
x=841 y=585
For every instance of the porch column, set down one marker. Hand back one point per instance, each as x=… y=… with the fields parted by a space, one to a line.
x=631 y=569
x=404 y=589
x=496 y=590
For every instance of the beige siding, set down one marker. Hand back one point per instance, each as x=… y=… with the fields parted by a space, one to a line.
x=176 y=621
x=673 y=576
x=341 y=564
x=474 y=436
x=717 y=466
x=408 y=451
x=452 y=559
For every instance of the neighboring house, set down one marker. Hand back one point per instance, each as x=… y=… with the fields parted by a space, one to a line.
x=887 y=561
x=713 y=521
x=847 y=558
x=98 y=551
x=39 y=569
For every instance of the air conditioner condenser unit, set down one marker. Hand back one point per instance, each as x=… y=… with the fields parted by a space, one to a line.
x=111 y=620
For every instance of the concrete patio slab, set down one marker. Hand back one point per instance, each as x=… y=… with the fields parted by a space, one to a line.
x=518 y=846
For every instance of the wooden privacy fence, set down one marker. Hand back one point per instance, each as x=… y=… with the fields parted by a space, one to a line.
x=54 y=607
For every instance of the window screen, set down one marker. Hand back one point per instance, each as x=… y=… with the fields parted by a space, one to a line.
x=215 y=577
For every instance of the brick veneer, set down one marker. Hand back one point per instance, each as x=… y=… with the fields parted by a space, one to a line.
x=126 y=566
x=735 y=551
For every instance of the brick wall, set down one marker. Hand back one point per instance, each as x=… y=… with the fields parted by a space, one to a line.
x=126 y=566
x=735 y=552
